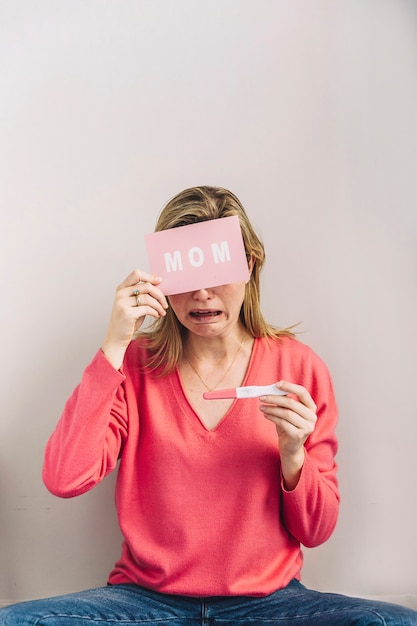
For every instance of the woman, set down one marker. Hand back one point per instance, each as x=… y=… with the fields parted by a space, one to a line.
x=214 y=497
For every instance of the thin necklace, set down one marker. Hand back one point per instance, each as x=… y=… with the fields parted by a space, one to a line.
x=223 y=375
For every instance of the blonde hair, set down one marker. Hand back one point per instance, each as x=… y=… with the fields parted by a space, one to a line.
x=198 y=204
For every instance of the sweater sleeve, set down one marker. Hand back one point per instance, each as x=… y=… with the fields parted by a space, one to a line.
x=310 y=511
x=89 y=436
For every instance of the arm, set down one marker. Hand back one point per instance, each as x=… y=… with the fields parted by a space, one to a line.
x=307 y=443
x=89 y=437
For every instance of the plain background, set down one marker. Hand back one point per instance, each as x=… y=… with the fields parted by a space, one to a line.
x=307 y=111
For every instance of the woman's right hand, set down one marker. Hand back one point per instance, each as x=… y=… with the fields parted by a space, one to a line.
x=136 y=297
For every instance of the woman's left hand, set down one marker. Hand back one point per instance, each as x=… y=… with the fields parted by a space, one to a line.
x=295 y=418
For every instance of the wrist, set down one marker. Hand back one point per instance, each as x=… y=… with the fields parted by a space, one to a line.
x=291 y=468
x=114 y=354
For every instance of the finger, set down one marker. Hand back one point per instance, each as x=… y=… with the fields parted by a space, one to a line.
x=147 y=293
x=297 y=431
x=147 y=305
x=138 y=276
x=300 y=392
x=290 y=410
x=297 y=420
x=288 y=403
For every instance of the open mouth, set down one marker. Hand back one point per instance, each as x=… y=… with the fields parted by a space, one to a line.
x=201 y=314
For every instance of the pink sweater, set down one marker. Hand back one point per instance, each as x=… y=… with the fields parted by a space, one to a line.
x=202 y=512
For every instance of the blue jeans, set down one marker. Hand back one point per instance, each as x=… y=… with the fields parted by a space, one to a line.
x=129 y=605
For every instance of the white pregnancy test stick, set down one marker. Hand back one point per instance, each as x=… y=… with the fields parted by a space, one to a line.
x=253 y=391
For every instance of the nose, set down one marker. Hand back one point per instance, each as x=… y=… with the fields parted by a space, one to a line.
x=201 y=294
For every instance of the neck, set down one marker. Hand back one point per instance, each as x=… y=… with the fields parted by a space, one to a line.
x=213 y=348
x=213 y=361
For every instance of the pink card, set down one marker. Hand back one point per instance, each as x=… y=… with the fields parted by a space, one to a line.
x=198 y=256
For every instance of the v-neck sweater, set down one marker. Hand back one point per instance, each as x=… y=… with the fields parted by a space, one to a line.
x=202 y=512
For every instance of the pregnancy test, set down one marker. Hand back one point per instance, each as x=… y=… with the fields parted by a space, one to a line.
x=253 y=391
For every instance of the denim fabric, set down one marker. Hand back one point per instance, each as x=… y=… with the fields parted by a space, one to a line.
x=129 y=605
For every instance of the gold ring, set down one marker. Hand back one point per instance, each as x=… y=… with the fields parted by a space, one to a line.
x=136 y=292
x=137 y=300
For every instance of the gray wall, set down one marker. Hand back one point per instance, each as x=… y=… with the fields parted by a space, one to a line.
x=307 y=111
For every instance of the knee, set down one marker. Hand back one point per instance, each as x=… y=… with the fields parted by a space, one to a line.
x=16 y=615
x=386 y=614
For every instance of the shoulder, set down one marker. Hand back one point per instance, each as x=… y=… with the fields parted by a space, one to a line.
x=291 y=351
x=137 y=353
x=292 y=360
x=285 y=345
